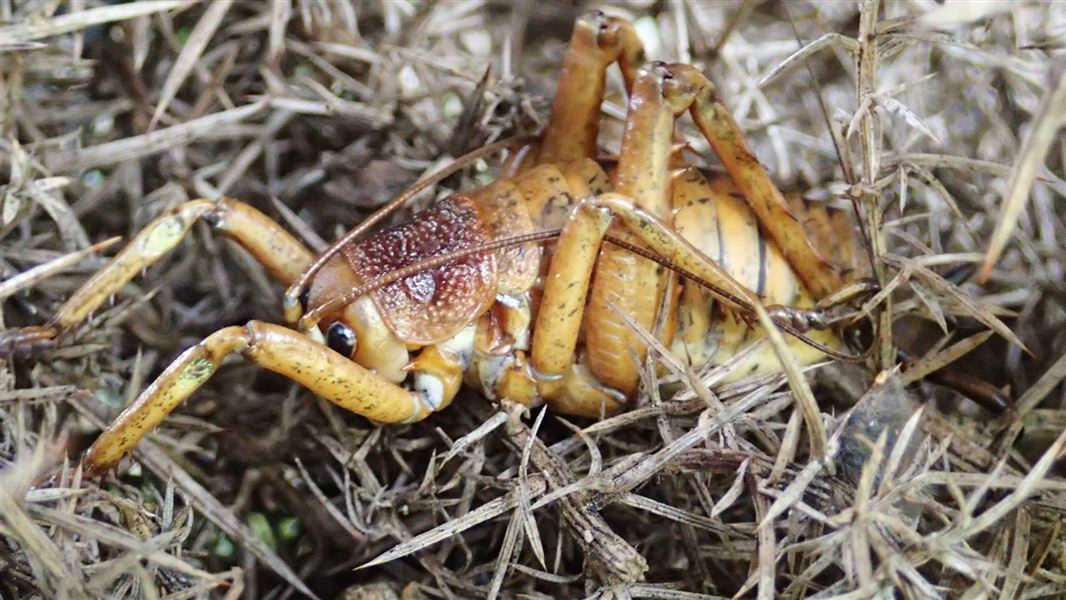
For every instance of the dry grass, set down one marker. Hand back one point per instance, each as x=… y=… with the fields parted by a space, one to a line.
x=318 y=112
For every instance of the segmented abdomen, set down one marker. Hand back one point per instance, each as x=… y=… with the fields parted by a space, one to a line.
x=713 y=216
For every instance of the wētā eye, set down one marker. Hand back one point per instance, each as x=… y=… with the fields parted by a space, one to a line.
x=341 y=339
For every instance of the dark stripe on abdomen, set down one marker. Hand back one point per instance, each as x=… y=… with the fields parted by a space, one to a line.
x=760 y=286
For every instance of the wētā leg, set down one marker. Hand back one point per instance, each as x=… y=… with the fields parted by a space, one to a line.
x=642 y=202
x=622 y=279
x=672 y=90
x=727 y=140
x=272 y=246
x=279 y=349
x=564 y=172
x=631 y=283
x=553 y=355
x=574 y=124
x=327 y=373
x=548 y=193
x=670 y=244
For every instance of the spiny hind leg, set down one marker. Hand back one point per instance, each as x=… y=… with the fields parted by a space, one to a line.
x=279 y=349
x=574 y=124
x=722 y=131
x=563 y=305
x=277 y=250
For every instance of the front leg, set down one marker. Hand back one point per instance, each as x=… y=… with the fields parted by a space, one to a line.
x=277 y=250
x=279 y=349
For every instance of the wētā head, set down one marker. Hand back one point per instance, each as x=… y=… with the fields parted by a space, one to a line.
x=425 y=308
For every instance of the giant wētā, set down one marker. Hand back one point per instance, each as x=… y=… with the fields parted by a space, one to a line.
x=389 y=326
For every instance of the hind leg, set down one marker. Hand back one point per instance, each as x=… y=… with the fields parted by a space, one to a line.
x=574 y=124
